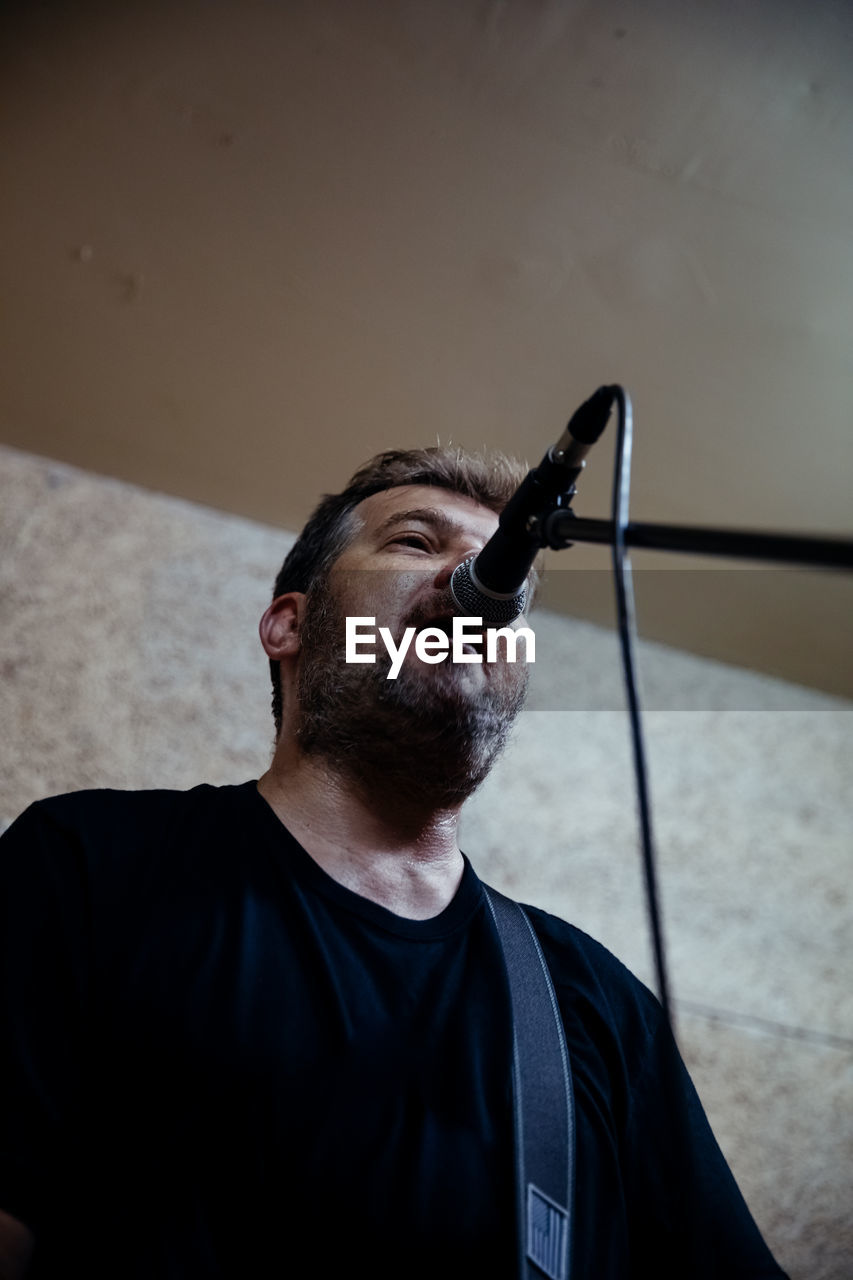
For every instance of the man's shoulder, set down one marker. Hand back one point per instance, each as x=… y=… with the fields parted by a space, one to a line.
x=106 y=817
x=71 y=808
x=108 y=803
x=122 y=847
x=587 y=973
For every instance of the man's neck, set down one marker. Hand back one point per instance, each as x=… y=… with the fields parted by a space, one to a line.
x=400 y=853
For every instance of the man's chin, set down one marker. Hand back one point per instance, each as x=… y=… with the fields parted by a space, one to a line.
x=486 y=697
x=447 y=684
x=447 y=675
x=431 y=734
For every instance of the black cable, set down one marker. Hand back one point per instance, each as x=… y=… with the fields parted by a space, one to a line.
x=627 y=624
x=688 y=1219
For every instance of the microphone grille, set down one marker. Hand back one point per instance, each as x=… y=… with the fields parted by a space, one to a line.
x=473 y=602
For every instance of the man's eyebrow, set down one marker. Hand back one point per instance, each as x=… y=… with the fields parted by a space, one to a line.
x=439 y=520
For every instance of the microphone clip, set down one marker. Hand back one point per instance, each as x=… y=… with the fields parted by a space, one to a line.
x=549 y=529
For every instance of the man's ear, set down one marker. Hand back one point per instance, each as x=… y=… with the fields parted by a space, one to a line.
x=281 y=625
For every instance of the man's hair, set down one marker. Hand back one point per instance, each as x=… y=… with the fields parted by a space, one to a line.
x=489 y=478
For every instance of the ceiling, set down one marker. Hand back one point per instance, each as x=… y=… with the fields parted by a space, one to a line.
x=249 y=243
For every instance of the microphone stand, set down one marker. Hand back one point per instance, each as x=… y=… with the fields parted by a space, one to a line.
x=558 y=528
x=563 y=527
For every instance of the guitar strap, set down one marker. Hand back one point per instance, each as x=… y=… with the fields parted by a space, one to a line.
x=543 y=1103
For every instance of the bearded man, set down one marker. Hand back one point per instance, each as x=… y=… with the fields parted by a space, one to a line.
x=263 y=1030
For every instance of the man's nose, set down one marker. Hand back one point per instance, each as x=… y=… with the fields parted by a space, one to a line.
x=441 y=581
x=450 y=561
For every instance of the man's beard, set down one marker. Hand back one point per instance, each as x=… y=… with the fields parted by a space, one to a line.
x=430 y=736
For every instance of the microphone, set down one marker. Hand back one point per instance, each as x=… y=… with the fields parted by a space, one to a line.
x=492 y=584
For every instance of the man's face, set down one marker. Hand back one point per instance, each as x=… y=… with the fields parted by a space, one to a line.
x=397 y=570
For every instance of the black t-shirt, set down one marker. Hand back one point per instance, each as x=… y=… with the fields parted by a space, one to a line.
x=217 y=1061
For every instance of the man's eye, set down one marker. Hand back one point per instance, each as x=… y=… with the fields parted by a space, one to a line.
x=411 y=540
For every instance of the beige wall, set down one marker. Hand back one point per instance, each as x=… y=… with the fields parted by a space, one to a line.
x=130 y=659
x=244 y=239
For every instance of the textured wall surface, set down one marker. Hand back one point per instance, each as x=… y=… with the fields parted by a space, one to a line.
x=130 y=659
x=250 y=236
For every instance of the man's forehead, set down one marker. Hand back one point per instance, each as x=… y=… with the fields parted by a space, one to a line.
x=444 y=505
